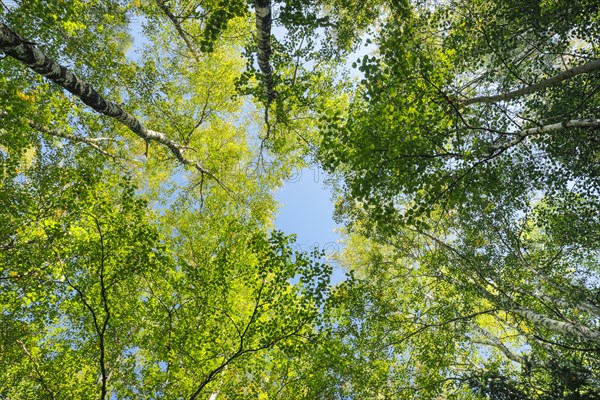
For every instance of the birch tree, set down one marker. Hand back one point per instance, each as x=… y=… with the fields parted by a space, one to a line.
x=470 y=149
x=138 y=257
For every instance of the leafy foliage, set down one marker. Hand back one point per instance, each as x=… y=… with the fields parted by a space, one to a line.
x=463 y=151
x=466 y=165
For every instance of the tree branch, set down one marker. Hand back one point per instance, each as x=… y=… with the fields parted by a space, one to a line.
x=107 y=315
x=520 y=136
x=496 y=342
x=546 y=83
x=162 y=4
x=71 y=137
x=37 y=370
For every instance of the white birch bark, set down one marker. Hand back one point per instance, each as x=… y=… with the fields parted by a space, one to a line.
x=27 y=53
x=492 y=340
x=263 y=38
x=588 y=67
x=577 y=331
x=522 y=135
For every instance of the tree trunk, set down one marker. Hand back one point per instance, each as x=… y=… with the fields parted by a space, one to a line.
x=25 y=52
x=576 y=331
x=263 y=38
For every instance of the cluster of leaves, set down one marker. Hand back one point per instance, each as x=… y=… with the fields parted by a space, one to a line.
x=97 y=300
x=448 y=154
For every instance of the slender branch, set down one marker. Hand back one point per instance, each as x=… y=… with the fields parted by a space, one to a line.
x=544 y=84
x=425 y=326
x=100 y=329
x=240 y=349
x=104 y=297
x=96 y=327
x=162 y=4
x=579 y=305
x=297 y=61
x=71 y=137
x=573 y=329
x=37 y=370
x=550 y=342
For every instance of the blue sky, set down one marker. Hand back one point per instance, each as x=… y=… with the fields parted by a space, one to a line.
x=306 y=209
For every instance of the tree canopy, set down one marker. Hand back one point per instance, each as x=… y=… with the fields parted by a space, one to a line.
x=141 y=143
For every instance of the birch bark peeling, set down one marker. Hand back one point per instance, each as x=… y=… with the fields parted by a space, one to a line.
x=27 y=53
x=263 y=39
x=546 y=83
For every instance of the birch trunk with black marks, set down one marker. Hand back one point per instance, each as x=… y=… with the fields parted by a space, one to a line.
x=263 y=38
x=576 y=331
x=27 y=53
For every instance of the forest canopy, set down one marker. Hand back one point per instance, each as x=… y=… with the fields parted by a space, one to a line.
x=141 y=144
